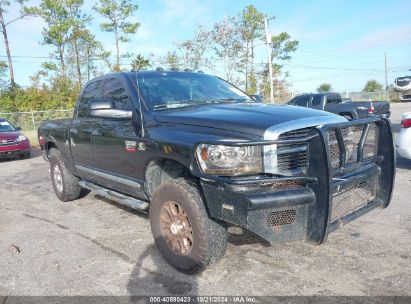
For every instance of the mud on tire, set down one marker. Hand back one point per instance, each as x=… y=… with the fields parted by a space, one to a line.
x=64 y=183
x=208 y=240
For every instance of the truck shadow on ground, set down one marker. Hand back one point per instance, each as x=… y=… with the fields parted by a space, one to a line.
x=153 y=275
x=163 y=279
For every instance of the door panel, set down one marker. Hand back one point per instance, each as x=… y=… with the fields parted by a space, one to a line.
x=81 y=126
x=115 y=141
x=80 y=141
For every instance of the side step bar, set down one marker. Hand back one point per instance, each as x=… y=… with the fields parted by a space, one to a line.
x=115 y=196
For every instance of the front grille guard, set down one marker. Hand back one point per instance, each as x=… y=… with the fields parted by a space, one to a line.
x=322 y=179
x=331 y=179
x=244 y=180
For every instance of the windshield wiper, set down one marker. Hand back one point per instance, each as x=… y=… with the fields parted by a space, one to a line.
x=193 y=102
x=232 y=99
x=182 y=103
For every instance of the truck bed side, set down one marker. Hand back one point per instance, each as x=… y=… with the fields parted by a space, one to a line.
x=56 y=134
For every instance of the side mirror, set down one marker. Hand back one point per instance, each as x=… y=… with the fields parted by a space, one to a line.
x=105 y=108
x=257 y=97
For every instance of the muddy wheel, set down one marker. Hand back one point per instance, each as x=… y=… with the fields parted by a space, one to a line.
x=64 y=183
x=183 y=232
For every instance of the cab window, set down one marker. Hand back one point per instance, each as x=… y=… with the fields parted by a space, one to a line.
x=337 y=98
x=316 y=100
x=90 y=92
x=114 y=90
x=303 y=101
x=330 y=98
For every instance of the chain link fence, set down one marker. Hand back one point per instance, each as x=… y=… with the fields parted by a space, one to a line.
x=32 y=119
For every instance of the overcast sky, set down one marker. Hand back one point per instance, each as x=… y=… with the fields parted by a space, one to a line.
x=341 y=42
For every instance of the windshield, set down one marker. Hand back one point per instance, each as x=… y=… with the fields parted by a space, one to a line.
x=176 y=89
x=6 y=127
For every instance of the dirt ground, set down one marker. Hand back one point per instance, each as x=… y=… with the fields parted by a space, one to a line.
x=95 y=247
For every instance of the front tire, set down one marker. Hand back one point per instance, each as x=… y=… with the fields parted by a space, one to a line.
x=64 y=183
x=183 y=232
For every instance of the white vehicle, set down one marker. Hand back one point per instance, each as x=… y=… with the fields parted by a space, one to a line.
x=403 y=85
x=403 y=142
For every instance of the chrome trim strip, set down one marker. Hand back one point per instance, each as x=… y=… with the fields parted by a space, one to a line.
x=272 y=133
x=109 y=176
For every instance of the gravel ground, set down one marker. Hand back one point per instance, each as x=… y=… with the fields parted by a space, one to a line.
x=95 y=247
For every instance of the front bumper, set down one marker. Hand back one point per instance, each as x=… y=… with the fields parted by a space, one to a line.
x=15 y=150
x=310 y=207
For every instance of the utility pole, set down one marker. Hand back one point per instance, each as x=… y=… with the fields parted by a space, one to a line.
x=269 y=55
x=386 y=77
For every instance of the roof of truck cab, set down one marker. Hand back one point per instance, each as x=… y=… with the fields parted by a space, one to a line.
x=153 y=72
x=146 y=73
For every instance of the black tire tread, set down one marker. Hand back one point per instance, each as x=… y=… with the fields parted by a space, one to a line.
x=71 y=188
x=214 y=237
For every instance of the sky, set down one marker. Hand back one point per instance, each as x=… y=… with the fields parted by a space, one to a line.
x=340 y=42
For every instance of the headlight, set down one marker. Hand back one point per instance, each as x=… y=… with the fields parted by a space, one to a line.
x=229 y=160
x=21 y=138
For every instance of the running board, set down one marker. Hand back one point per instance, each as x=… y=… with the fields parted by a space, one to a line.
x=116 y=196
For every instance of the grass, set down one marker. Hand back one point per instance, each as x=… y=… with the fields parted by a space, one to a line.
x=32 y=136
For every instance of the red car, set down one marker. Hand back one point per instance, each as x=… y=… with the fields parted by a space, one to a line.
x=12 y=141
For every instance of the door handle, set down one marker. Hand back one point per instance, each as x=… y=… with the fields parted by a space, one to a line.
x=73 y=130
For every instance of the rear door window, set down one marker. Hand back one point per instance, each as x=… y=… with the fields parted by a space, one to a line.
x=330 y=98
x=113 y=89
x=316 y=100
x=337 y=98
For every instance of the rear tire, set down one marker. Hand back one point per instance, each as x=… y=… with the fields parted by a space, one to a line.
x=64 y=183
x=187 y=238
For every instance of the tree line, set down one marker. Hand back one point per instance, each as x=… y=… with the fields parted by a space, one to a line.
x=227 y=47
x=370 y=86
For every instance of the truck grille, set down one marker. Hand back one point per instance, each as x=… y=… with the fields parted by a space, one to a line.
x=7 y=142
x=292 y=159
x=351 y=141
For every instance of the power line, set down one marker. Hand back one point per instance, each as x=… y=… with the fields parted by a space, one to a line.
x=297 y=66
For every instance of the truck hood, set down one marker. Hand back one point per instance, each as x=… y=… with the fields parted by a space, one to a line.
x=250 y=118
x=12 y=135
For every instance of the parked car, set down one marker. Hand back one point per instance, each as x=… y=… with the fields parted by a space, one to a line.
x=332 y=102
x=403 y=142
x=12 y=141
x=197 y=153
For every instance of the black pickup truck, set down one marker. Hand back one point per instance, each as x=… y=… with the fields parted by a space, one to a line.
x=332 y=102
x=198 y=154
